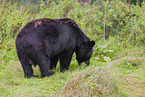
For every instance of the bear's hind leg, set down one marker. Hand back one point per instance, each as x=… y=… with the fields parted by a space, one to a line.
x=27 y=68
x=44 y=64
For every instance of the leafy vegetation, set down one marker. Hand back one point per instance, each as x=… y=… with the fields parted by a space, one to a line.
x=117 y=66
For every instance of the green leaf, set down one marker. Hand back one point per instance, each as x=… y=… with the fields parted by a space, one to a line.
x=107 y=59
x=104 y=46
x=108 y=51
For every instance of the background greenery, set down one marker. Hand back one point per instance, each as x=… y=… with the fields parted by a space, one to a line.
x=117 y=66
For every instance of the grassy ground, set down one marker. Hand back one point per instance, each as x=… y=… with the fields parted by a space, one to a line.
x=124 y=76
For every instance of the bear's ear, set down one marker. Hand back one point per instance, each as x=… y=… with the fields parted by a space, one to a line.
x=91 y=44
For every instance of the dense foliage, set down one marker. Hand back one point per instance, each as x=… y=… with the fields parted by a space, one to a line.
x=117 y=66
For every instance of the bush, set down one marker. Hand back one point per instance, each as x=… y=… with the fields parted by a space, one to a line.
x=12 y=20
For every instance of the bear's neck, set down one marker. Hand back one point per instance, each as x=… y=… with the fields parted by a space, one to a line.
x=81 y=38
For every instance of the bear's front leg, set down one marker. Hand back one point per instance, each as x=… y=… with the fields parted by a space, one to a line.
x=54 y=61
x=65 y=59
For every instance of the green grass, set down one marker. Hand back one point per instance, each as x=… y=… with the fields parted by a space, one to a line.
x=124 y=76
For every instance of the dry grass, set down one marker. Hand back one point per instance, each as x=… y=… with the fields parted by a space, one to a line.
x=131 y=72
x=133 y=84
x=94 y=81
x=118 y=61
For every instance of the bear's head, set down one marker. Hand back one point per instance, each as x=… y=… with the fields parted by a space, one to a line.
x=84 y=52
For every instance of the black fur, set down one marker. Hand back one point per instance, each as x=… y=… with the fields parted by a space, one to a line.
x=45 y=41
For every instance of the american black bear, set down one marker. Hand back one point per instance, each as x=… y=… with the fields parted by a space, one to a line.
x=45 y=41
